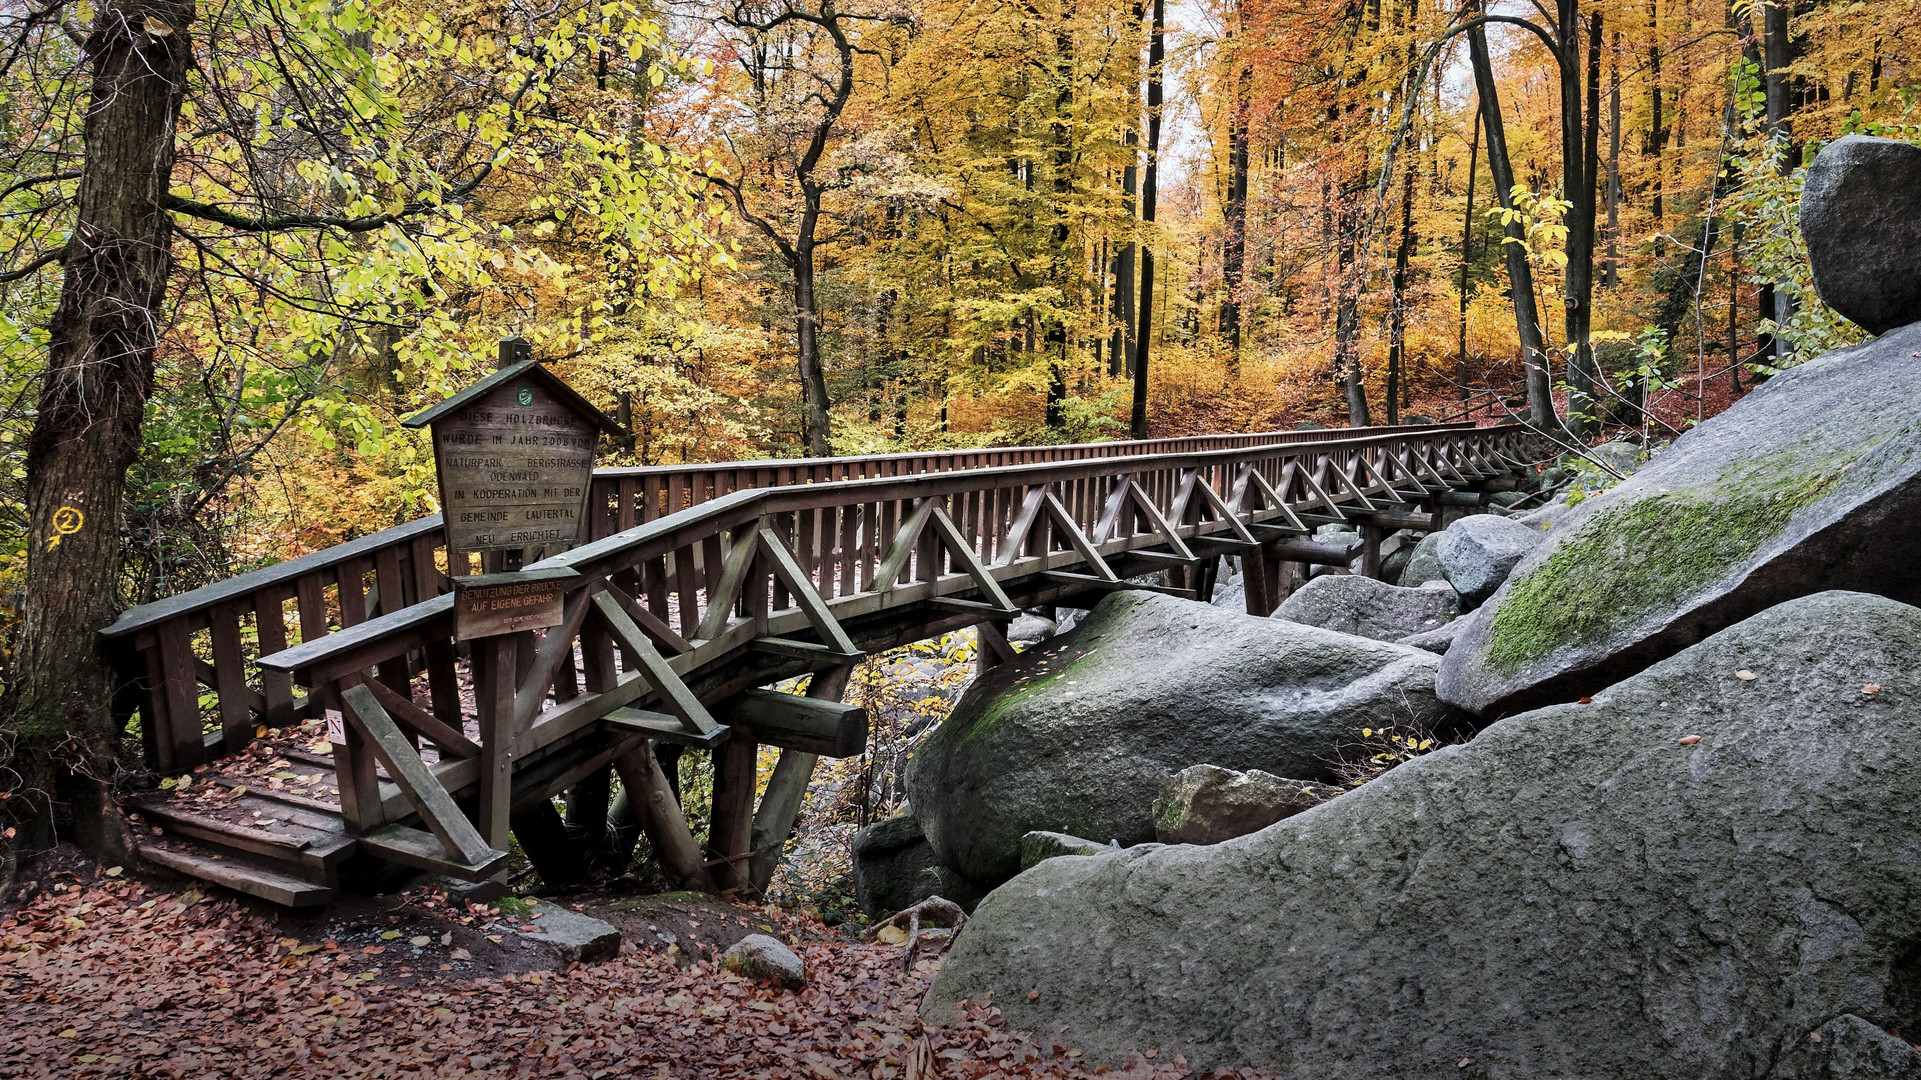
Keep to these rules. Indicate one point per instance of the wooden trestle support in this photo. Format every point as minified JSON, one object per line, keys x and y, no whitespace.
{"x":692,"y":601}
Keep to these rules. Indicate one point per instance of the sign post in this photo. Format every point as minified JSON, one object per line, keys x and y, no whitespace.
{"x":514,"y":454}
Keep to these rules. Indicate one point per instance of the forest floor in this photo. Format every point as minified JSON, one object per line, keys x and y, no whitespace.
{"x":103,"y":976}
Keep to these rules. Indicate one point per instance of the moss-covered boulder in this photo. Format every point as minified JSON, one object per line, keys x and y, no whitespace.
{"x":1811,"y":482}
{"x":1077,"y":735}
{"x":1687,"y":877}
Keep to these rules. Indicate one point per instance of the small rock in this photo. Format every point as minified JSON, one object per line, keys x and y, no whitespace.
{"x":1028,"y":629}
{"x":1371,"y":609}
{"x":1477,"y":553}
{"x":1040,"y":845}
{"x":1206,"y":804}
{"x":570,"y":936}
{"x":758,"y":956}
{"x":1441,"y":638}
{"x":1861,"y":218}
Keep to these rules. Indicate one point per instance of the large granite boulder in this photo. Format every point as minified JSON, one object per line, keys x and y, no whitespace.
{"x":1477,"y":553}
{"x":1811,"y":482}
{"x":1689,"y":876}
{"x":1372,"y":609}
{"x":1077,"y":735}
{"x":1861,"y":218}
{"x":895,"y":868}
{"x":1423,"y":564}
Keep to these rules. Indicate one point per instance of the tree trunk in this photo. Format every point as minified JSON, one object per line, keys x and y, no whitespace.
{"x":86,"y":432}
{"x":1156,"y":56}
{"x":1580,"y":147}
{"x":815,"y":426}
{"x":1611,"y":274}
{"x":1397,"y":303}
{"x":1467,"y":253}
{"x":1657,"y":122}
{"x":1778,"y":55}
{"x":1121,"y":350}
{"x":1057,"y":359}
{"x":1234,"y":242}
{"x":1347,"y":312}
{"x":1520,"y":276}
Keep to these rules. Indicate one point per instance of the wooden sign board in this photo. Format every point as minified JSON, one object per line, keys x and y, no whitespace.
{"x":514,"y":468}
{"x":515,"y":458}
{"x":490,"y":604}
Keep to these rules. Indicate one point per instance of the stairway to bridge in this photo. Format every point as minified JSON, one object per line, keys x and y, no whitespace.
{"x":318,"y":726}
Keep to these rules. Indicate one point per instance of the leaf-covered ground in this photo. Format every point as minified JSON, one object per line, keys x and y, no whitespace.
{"x":106,"y":977}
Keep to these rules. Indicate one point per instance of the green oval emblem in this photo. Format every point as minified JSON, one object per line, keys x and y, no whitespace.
{"x":526,"y":396}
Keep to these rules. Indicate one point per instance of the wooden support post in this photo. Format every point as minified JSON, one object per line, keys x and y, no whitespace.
{"x":1206,"y":575}
{"x":661,"y":818}
{"x":587,"y":809}
{"x":494,"y":663}
{"x":1371,"y":536}
{"x":780,"y":806}
{"x":993,"y":649}
{"x":623,"y":828}
{"x":359,"y":784}
{"x":548,"y":844}
{"x":459,"y":839}
{"x":730,"y":826}
{"x":812,"y":724}
{"x":1258,"y":582}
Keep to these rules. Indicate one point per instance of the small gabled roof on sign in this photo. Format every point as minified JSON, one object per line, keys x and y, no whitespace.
{"x":526,"y":369}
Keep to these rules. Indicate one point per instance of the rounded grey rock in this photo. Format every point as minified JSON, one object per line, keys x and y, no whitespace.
{"x":1374,"y":609}
{"x":1478,"y":552}
{"x":1861,"y":218}
{"x":1077,"y":736}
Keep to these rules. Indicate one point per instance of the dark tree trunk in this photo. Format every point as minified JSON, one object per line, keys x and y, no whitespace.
{"x":1397,"y":303}
{"x":813,"y":380}
{"x":1580,"y":148}
{"x":1234,"y":242}
{"x":1657,"y":121}
{"x":1063,"y":232}
{"x":1611,"y":271}
{"x":1156,"y":56}
{"x":1467,"y":254}
{"x":1347,"y":311}
{"x":1778,"y":302}
{"x":1520,"y":275}
{"x":1121,"y":350}
{"x":86,"y":432}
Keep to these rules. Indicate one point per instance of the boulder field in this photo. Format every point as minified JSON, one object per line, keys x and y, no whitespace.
{"x":1811,"y":482}
{"x":1078,"y":735}
{"x":1696,"y":874}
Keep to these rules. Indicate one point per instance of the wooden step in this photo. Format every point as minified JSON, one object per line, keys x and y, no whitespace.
{"x":268,"y":883}
{"x":301,"y":838}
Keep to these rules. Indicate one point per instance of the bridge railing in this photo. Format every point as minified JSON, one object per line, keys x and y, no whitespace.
{"x":668,"y":619}
{"x":187,"y":661}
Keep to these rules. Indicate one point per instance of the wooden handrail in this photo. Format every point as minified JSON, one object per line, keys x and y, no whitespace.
{"x":654,"y":534}
{"x":607,"y":482}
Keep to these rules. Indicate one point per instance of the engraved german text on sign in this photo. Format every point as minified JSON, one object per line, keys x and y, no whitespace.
{"x":485,"y":610}
{"x":514,"y":469}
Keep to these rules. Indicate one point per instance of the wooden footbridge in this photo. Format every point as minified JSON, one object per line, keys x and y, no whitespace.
{"x":701,"y":587}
